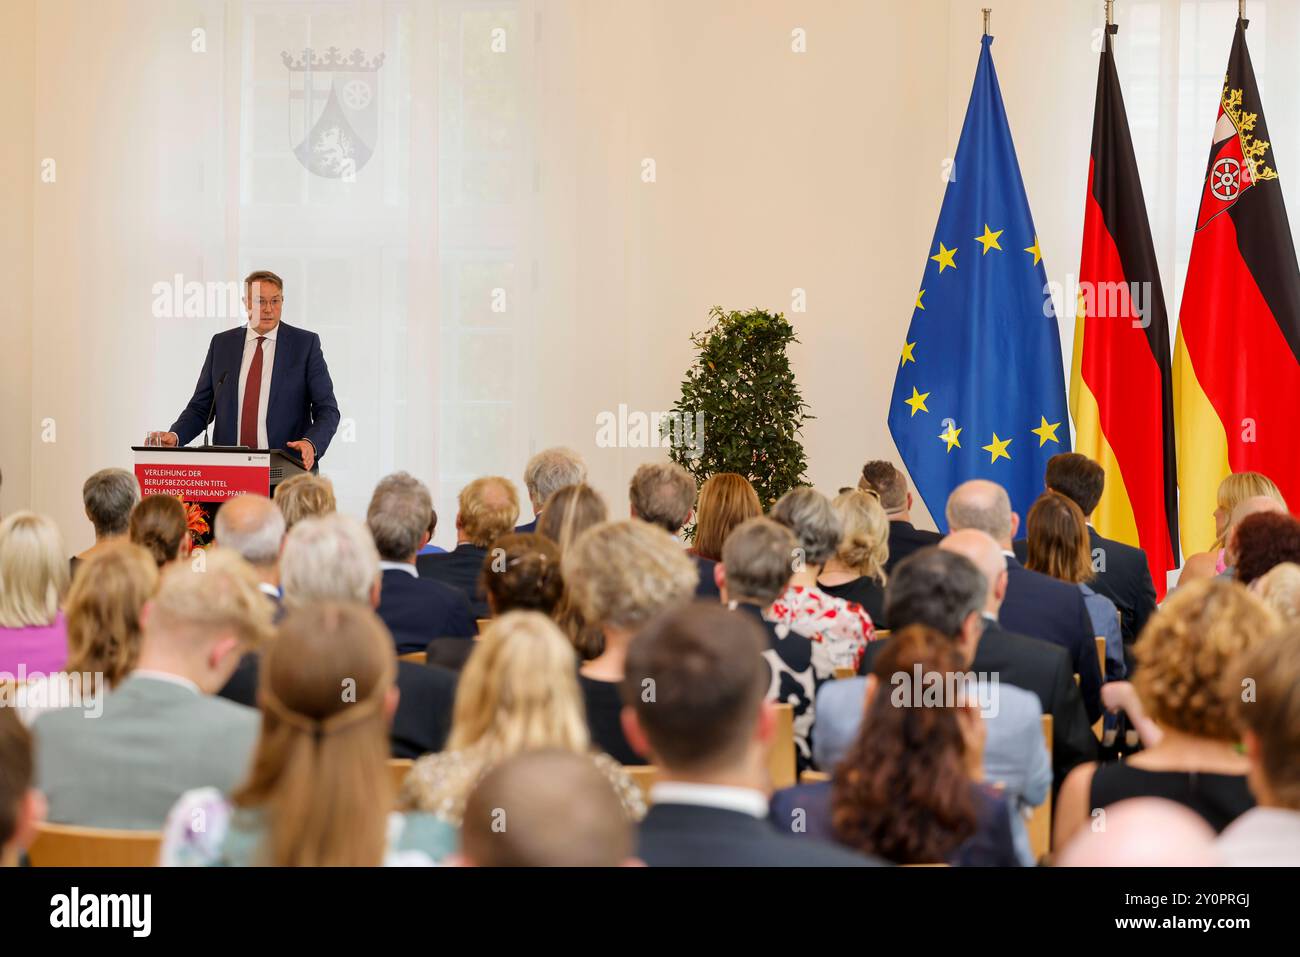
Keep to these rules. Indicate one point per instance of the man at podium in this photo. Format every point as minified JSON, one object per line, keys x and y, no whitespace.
{"x":267,"y":383}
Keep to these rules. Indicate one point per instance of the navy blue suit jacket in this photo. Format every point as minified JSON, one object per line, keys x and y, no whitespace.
{"x":418,"y":610}
{"x":301,"y":404}
{"x":1045,"y":608}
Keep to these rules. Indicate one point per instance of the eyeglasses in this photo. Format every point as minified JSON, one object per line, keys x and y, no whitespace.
{"x":275,"y":303}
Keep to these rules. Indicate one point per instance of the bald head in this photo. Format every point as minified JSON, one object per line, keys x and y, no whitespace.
{"x":982,"y":505}
{"x":545,"y":809}
{"x":986,"y":555}
{"x":1143,"y":832}
{"x":252,"y":526}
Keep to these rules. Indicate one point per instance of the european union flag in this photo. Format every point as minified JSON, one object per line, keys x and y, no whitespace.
{"x":980,"y":392}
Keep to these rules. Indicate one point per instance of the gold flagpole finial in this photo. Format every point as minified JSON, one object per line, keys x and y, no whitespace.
{"x":988,"y":13}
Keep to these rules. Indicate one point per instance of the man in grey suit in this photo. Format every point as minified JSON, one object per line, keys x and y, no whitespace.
{"x":163,"y":731}
{"x":944,"y":589}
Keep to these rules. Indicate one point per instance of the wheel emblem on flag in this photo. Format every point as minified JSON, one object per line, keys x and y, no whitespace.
{"x":1225,"y":179}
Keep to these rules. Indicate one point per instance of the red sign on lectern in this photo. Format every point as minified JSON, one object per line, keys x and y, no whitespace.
{"x":202,"y":475}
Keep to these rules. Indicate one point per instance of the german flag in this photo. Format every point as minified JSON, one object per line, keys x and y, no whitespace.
{"x":1237,"y":358}
{"x":1121,"y":393}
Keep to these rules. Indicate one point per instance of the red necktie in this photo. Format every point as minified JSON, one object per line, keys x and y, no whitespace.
{"x":252,"y":398}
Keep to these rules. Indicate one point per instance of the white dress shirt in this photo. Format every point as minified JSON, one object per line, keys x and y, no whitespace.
{"x":399,"y":567}
{"x":726,"y":798}
{"x":263,"y":398}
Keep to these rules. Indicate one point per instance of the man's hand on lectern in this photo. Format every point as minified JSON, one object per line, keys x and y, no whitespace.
{"x":168,"y":439}
{"x":306,"y":450}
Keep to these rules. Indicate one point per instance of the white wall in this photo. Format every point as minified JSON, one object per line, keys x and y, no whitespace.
{"x":776,"y":170}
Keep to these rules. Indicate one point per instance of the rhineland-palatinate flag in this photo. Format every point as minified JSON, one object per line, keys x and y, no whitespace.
{"x":980,"y":392}
{"x":1121,"y":389}
{"x":1237,"y":355}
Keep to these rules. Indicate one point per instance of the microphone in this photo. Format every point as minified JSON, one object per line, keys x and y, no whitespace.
{"x":212,"y":411}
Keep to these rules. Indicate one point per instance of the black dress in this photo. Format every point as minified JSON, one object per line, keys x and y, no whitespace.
{"x":604,"y":705}
{"x":867,"y":592}
{"x":1219,"y":798}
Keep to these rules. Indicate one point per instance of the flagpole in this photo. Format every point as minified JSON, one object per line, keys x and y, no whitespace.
{"x":988,"y":13}
{"x":1110,"y":12}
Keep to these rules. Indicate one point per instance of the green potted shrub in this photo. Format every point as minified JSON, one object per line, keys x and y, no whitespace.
{"x":742,"y":393}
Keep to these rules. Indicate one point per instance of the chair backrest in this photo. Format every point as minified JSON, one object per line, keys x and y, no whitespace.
{"x":882,"y":634}
{"x":1100,"y":641}
{"x":1039,"y":825}
{"x":398,"y":769}
{"x":482,"y":625}
{"x":63,"y":845}
{"x":781,"y":763}
{"x":643,"y":776}
{"x":813,"y":777}
{"x":415,"y":657}
{"x":844,"y":671}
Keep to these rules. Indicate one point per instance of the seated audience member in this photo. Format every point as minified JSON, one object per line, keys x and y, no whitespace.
{"x":103,"y":615}
{"x":22,"y":807}
{"x":725,"y":500}
{"x":620,"y":575}
{"x":332,"y":558}
{"x":946,"y":592}
{"x":416,"y":610}
{"x":1268,"y":835}
{"x":545,"y":474}
{"x":560,"y":812}
{"x":486,"y":510}
{"x":317,"y":791}
{"x":304,"y":496}
{"x":430,"y":548}
{"x":1057,"y":546}
{"x":522,"y":573}
{"x":856,"y":572}
{"x":1262,"y":541}
{"x":1185,"y":656}
{"x":525,"y":575}
{"x":1233,"y":490}
{"x":839,"y":629}
{"x":1279,"y":588}
{"x":574,"y":509}
{"x":709,"y":730}
{"x":890,"y":485}
{"x":161,"y":526}
{"x":254,"y":527}
{"x":33,"y":582}
{"x":754,"y":572}
{"x":108,"y":496}
{"x":908,"y":746}
{"x":162,"y":731}
{"x":1035,"y":605}
{"x":1022,"y":662}
{"x":663,"y":494}
{"x":1143,"y":832}
{"x":518,"y":692}
{"x":1255,"y":505}
{"x":1124,"y":577}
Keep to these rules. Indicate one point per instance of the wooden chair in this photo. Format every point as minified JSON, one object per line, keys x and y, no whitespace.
{"x":882,"y":634}
{"x":813,"y":777}
{"x":62,"y":845}
{"x":844,"y":671}
{"x":1039,"y":825}
{"x":415,"y":657}
{"x":1101,"y":654}
{"x":781,"y":763}
{"x":398,"y":769}
{"x":643,"y":776}
{"x":482,"y":625}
